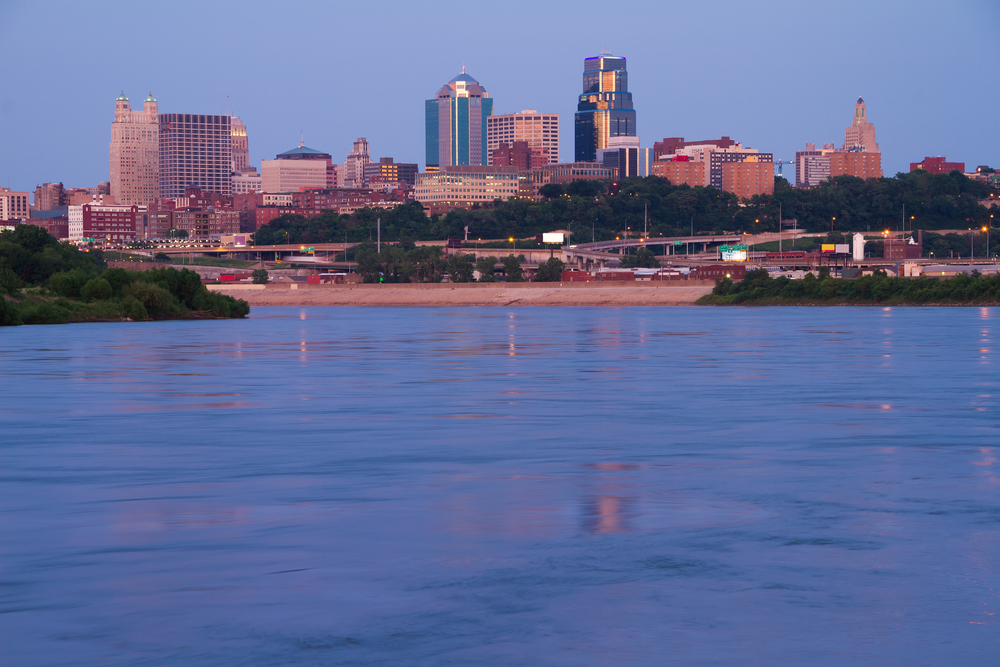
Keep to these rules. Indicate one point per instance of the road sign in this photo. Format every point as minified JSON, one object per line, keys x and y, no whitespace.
{"x":678,"y":242}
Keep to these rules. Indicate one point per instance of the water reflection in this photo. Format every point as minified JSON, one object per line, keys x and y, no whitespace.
{"x":698,"y":484}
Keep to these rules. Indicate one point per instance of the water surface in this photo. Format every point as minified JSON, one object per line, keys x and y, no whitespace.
{"x":571,"y":486}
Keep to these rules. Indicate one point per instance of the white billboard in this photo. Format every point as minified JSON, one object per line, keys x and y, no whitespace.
{"x":553,"y":237}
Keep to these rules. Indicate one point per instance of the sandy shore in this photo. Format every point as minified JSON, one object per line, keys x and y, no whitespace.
{"x":478,"y":295}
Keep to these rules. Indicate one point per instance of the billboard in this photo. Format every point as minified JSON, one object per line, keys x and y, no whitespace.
{"x":552,"y":237}
{"x":836,"y":249}
{"x":733,"y":253}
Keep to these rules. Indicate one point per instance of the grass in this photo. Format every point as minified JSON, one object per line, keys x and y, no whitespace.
{"x":213,"y":261}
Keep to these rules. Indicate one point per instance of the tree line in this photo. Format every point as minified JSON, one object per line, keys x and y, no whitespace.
{"x":633,"y":207}
{"x":43,"y":281}
{"x":758,"y":288}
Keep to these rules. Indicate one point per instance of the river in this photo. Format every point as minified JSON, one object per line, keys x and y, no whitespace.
{"x":497,"y":486}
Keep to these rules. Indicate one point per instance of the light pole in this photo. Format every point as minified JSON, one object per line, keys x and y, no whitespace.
{"x":987,"y":242}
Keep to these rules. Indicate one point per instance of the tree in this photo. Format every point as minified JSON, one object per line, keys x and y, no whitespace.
{"x":486,"y":266}
{"x":96,"y":289}
{"x":460,"y":269}
{"x":161,"y":257}
{"x":512,"y":268}
{"x":551,"y":271}
{"x":551,"y":190}
{"x":259,"y":276}
{"x":643,"y":259}
{"x":177,"y":233}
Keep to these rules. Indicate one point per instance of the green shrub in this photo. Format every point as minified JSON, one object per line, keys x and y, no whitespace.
{"x":9,"y":282}
{"x":137,"y":312}
{"x":154,"y":298}
{"x":96,"y":289}
{"x":9,"y":313}
{"x":44,"y":312}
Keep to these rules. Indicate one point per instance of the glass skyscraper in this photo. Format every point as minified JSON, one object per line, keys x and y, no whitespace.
{"x":456,"y":124}
{"x":605,"y":108}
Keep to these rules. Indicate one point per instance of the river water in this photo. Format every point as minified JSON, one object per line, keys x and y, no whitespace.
{"x":565,"y":486}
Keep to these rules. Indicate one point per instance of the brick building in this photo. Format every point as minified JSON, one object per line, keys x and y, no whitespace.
{"x":680,"y":170}
{"x":937,"y":165}
{"x":748,"y":178}
{"x":110,"y":223}
{"x":856,"y":163}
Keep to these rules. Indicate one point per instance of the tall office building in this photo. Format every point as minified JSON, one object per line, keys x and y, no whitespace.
{"x":604,"y":110}
{"x":860,"y":136}
{"x":456,"y":124}
{"x":14,"y":205}
{"x":196,"y":151}
{"x":134,"y":152}
{"x":241,"y":146}
{"x":354,"y":165}
{"x":540,"y":131}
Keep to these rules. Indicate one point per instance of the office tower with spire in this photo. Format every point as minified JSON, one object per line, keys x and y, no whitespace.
{"x":860,"y":136}
{"x":135,"y":153}
{"x":604,"y":109}
{"x":456,"y":124}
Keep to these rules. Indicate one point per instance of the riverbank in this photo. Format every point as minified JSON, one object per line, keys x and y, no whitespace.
{"x":470,"y":294}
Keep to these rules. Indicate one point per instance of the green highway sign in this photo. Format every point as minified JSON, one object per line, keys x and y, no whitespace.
{"x":678,"y":242}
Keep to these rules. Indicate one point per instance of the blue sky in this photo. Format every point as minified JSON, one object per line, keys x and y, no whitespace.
{"x":773,"y":75}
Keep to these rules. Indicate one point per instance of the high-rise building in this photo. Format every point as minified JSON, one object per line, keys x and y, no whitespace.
{"x":860,"y":136}
{"x":624,"y":155}
{"x":604,"y":110}
{"x":291,"y":176}
{"x":50,"y":196}
{"x":241,"y":145}
{"x":812,"y":166}
{"x":301,"y":167}
{"x":354,"y":165}
{"x":388,"y":171}
{"x":456,"y":122}
{"x":303,"y":152}
{"x":135,"y":152}
{"x":13,"y":205}
{"x":196,"y":151}
{"x":856,"y":163}
{"x":539,"y":131}
{"x":680,"y":170}
{"x":748,"y":177}
{"x":518,"y":154}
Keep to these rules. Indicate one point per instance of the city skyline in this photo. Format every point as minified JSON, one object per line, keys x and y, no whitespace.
{"x":698,"y":88}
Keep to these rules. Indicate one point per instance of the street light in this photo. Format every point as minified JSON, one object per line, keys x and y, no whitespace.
{"x":987,"y":243}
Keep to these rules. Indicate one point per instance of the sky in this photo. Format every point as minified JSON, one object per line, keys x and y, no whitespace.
{"x":772,"y":75}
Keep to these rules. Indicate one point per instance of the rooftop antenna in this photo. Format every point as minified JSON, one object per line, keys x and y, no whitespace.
{"x":302,"y":138}
{"x":463,"y":68}
{"x":229,"y":111}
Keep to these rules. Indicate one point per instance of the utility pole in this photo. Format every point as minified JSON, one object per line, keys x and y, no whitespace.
{"x":779,"y":227}
{"x":378,"y":222}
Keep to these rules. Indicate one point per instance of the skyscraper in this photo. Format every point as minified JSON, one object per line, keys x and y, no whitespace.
{"x":456,"y":124}
{"x":540,"y":131}
{"x":134,"y":153}
{"x":196,"y":151}
{"x":604,"y":110}
{"x":241,"y":145}
{"x":860,"y":136}
{"x":354,"y":165}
